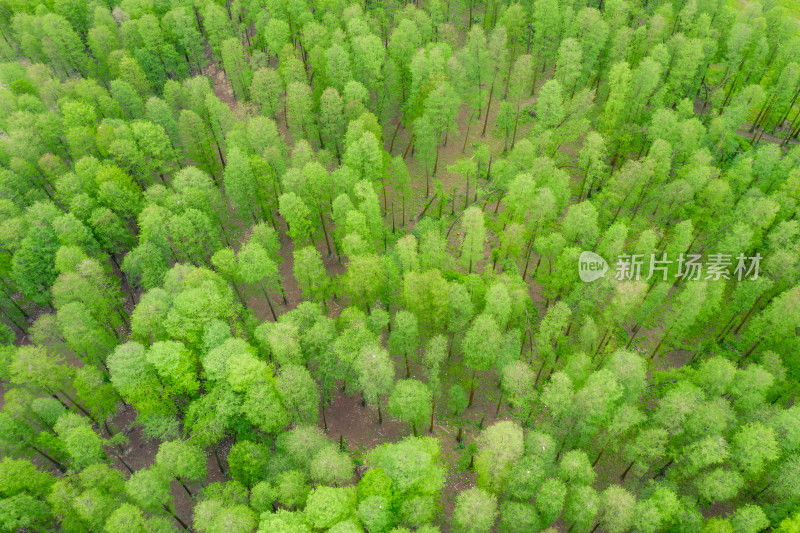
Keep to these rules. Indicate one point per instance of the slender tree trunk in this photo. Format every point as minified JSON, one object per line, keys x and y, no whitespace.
{"x":497,"y":205}
{"x":625,"y":473}
{"x":466,"y":196}
{"x":599,"y":455}
{"x":121,"y":460}
{"x":394,"y":135}
{"x":788,"y":109}
{"x":488,"y":104}
{"x":283,"y":293}
{"x":12,"y":319}
{"x":528,"y":254}
{"x":791,"y":128}
{"x":325,"y":229}
{"x":179,"y":480}
{"x":408,"y":146}
{"x":539,"y":374}
{"x":655,"y":350}
{"x":663,"y":469}
{"x":425,"y":209}
{"x":269,"y":302}
{"x":17,"y":306}
{"x":435,"y":169}
{"x":433,"y":411}
{"x":79,"y":406}
{"x":472,"y":388}
{"x":41,"y":452}
{"x":219,"y":461}
{"x":750,"y":350}
{"x":172,"y":513}
{"x":516,"y":121}
{"x":499,"y":404}
{"x":239,"y":294}
{"x":747,"y":315}
{"x":469,"y":123}
{"x":427,"y":182}
{"x":725,"y":328}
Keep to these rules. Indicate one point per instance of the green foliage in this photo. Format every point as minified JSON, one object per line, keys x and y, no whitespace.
{"x":153,"y":205}
{"x":410,"y":401}
{"x":327,"y":506}
{"x":475,"y":511}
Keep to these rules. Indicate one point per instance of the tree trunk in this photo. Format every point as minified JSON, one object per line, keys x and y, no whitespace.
{"x":499,"y":403}
{"x":499,"y":198}
{"x":539,"y":374}
{"x":425,"y":209}
{"x":269,"y":302}
{"x":239,"y":294}
{"x":433,"y":410}
{"x":283,"y":293}
{"x":663,"y":469}
{"x":625,"y":473}
{"x":750,"y":350}
{"x":655,"y":350}
{"x":488,"y":104}
{"x":528,"y":255}
{"x":435,"y":169}
{"x":747,"y":315}
{"x":408,"y":146}
{"x":325,"y":229}
{"x":469,"y":123}
{"x":172,"y":513}
{"x":472,"y":388}
{"x":121,"y":460}
{"x":179,"y":480}
{"x":599,"y":455}
{"x":219,"y":461}
{"x":394,"y":135}
{"x":466,"y":196}
{"x":41,"y":452}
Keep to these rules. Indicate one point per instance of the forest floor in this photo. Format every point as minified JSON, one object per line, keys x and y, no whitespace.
{"x":347,"y":419}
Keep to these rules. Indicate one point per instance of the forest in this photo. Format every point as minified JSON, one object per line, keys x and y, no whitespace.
{"x":304,"y":266}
